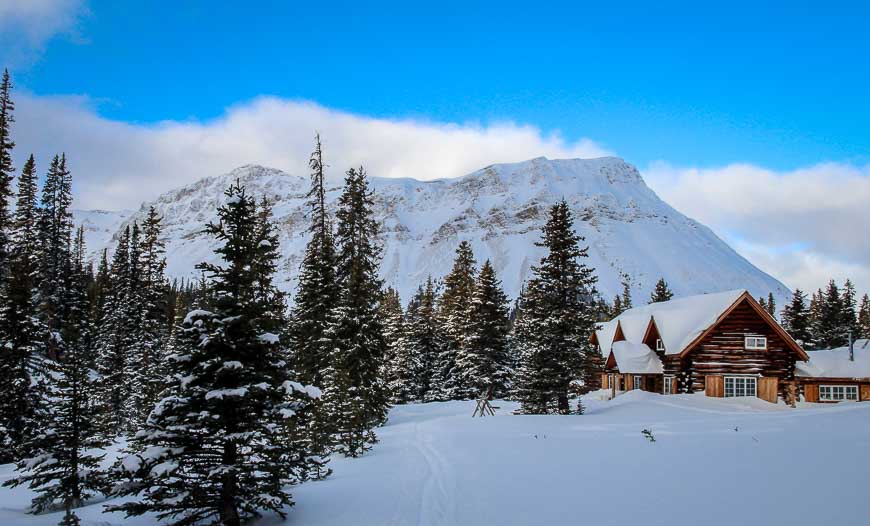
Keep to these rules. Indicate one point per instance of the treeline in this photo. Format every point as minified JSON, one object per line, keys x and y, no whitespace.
{"x":223,"y":398}
{"x":827,"y":318}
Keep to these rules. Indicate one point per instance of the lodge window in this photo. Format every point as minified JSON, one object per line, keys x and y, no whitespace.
{"x":835,"y":393}
{"x":610,"y":381}
{"x":638,"y":382}
{"x":756,"y":342}
{"x":660,"y":346}
{"x":669,"y":385}
{"x":740,"y":386}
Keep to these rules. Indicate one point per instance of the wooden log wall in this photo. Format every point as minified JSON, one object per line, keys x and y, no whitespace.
{"x":722,"y":352}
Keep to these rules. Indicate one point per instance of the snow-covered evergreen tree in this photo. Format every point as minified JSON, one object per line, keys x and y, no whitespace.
{"x":423,"y":345}
{"x":771,"y":305}
{"x":55,"y":235}
{"x":864,"y":317}
{"x":661,"y":292}
{"x":849,"y":309}
{"x":454,"y":324}
{"x":7,"y":169}
{"x":148,"y":314}
{"x":796,"y":319}
{"x":485,"y":361}
{"x":213,"y":450}
{"x":393,"y":322}
{"x":558,"y":318}
{"x":355,"y":394}
{"x":22,"y":332}
{"x":830,"y":331}
{"x":64,"y":466}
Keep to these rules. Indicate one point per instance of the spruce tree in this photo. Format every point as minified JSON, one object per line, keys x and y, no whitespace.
{"x":454,"y":320}
{"x":849,"y":302}
{"x":354,"y":391}
{"x":55,"y":234}
{"x":317,"y":291}
{"x":864,"y":317}
{"x":796,"y":319}
{"x":116,"y":331}
{"x":64,"y":466}
{"x":485,"y":362}
{"x":148,"y":291}
{"x":423,"y":344}
{"x":661,"y":292}
{"x":213,"y":449}
{"x":627,"y":303}
{"x":771,"y":305}
{"x":393,"y":323}
{"x":7,"y":170}
{"x":23,"y":334}
{"x":831,"y":331}
{"x":558,"y":319}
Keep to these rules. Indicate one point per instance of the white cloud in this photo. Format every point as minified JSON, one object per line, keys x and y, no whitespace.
{"x":804,"y":226}
{"x":27,"y":25}
{"x":117,"y":164}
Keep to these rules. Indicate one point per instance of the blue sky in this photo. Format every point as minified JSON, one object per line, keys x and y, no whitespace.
{"x":750,"y":117}
{"x":767,"y":84}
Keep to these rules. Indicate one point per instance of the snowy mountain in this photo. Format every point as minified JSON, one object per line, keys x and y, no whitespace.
{"x":499,"y":209}
{"x":100,"y":227}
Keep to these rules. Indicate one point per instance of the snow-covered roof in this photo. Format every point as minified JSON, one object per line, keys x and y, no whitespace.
{"x":605,"y":334}
{"x":678,"y":321}
{"x":835,"y":363}
{"x":636,"y":358}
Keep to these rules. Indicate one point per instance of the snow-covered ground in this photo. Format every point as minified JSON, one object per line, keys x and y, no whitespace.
{"x":713,"y":462}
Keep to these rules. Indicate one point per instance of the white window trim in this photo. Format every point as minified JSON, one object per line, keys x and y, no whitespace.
{"x":660,"y":345}
{"x":637,"y":382}
{"x":665,"y":385}
{"x":754,"y":345}
{"x":846,"y":388}
{"x":736,"y":376}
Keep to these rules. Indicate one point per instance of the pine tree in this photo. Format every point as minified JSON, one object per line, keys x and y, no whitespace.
{"x":849,"y":302}
{"x":393,"y":322}
{"x":617,"y":308}
{"x":796,"y":319}
{"x":354,"y":391}
{"x":212,"y":450}
{"x":661,"y":292}
{"x":626,"y":293}
{"x":485,"y":362}
{"x":148,"y":291}
{"x":64,"y":469}
{"x":7,"y":170}
{"x":454,"y":319}
{"x":423,"y":344}
{"x":831,"y":333}
{"x":763,"y":303}
{"x":317,"y":292}
{"x":115,"y":337}
{"x":23,"y":335}
{"x":771,"y":305}
{"x":864,"y":317}
{"x":55,"y":234}
{"x":558,"y":319}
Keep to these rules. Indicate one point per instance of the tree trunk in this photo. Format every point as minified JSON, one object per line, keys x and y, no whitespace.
{"x":563,"y":406}
{"x":228,"y":511}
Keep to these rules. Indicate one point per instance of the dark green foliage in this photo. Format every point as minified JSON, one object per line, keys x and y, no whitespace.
{"x":355,"y":394}
{"x":214,"y":448}
{"x":454,"y":324}
{"x":420,"y":348}
{"x":7,"y":170}
{"x":558,"y":317}
{"x":661,"y":292}
{"x":485,"y":362}
{"x":864,"y":317}
{"x":23,"y":334}
{"x":796,"y":319}
{"x":64,"y":469}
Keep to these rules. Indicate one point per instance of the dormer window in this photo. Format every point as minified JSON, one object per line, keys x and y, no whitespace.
{"x":660,"y":345}
{"x":756,"y":343}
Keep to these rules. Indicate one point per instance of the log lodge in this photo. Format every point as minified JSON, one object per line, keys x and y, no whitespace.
{"x":723,"y":344}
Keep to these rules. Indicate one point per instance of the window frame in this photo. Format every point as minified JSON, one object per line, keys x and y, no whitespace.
{"x":637,"y":382}
{"x":735,"y":380}
{"x":668,"y":385}
{"x":660,"y":345}
{"x":844,"y":390}
{"x":754,"y":346}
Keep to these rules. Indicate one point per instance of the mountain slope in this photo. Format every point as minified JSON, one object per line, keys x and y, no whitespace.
{"x":500,"y":210}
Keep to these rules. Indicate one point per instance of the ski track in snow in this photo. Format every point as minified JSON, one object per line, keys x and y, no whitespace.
{"x":437,"y":504}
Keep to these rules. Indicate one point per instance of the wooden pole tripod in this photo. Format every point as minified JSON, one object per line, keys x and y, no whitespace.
{"x":484,"y":408}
